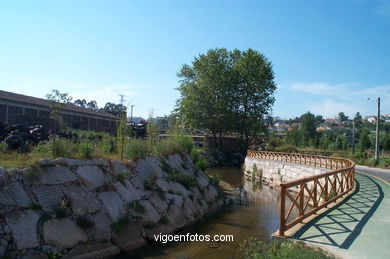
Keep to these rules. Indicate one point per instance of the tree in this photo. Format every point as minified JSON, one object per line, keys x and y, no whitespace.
{"x":318,"y":120}
{"x":358,"y":120}
{"x":80,"y":103}
{"x":56,"y":101}
{"x":115,"y":109}
{"x":308,"y":128}
{"x":342,"y":117}
{"x":364,"y":140}
{"x":226,"y":91}
{"x":92,"y":105}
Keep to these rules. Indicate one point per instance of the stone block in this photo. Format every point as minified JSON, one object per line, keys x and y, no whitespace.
{"x":126,"y":191}
{"x":119,"y":168}
{"x":129,"y":239}
{"x":96,"y":251}
{"x":162,"y":184}
{"x":150,"y":214}
{"x":101,"y":231}
{"x":13,"y":194}
{"x":64,"y":161}
{"x":23,"y":225}
{"x":210,"y":193}
{"x":178,"y":188}
{"x":3,"y":247}
{"x":34,"y":254}
{"x":202,"y":180}
{"x":189,"y":210}
{"x":46,"y":162}
{"x":51,"y":175}
{"x":92,"y":176}
{"x":115,"y":207}
{"x":176,"y":217}
{"x":177,"y":199}
{"x":82,"y":201}
{"x":160,"y":205}
{"x":63,"y":233}
{"x":49,"y":197}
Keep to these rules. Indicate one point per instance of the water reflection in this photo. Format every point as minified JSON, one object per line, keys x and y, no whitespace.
{"x":255,"y":212}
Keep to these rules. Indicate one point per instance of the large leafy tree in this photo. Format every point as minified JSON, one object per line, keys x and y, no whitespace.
{"x":225,"y":91}
{"x":114,"y":109}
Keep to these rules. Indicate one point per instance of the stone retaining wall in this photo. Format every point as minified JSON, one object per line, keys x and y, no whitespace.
{"x":98,"y":208}
{"x":275,"y":172}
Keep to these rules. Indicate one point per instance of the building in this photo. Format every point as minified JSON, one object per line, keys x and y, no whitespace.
{"x":27,"y":110}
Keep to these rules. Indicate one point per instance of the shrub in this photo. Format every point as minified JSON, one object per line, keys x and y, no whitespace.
{"x":84,"y":223}
{"x":184,"y":144}
{"x":194,"y":155}
{"x":202,"y":163}
{"x":120,"y":224}
{"x":137,"y":207}
{"x":287,"y":149}
{"x":166,"y":147}
{"x":3,"y":147}
{"x":254,"y":248}
{"x":85,"y":150}
{"x":136,"y":149}
{"x":59,"y":147}
{"x":186,"y":180}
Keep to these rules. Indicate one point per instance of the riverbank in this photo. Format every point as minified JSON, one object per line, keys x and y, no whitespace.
{"x":67,"y":207}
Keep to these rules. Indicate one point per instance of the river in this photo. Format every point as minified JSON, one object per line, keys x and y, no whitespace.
{"x":255,"y":212}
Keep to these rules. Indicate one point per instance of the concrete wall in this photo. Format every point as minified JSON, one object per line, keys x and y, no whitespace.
{"x":275,"y":172}
{"x":44,"y":209}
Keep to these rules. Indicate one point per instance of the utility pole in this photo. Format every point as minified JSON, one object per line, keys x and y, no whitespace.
{"x":122,"y":100}
{"x":377,"y":129}
{"x":353,"y":136}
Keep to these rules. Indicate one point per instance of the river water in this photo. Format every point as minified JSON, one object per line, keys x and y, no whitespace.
{"x":255,"y":212}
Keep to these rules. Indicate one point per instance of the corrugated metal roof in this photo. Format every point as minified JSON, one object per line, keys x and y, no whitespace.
{"x":42,"y":102}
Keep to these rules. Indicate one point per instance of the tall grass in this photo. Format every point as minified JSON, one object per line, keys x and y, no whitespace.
{"x":136,"y":149}
{"x":253,"y":248}
{"x":60,"y":147}
{"x":85,"y":150}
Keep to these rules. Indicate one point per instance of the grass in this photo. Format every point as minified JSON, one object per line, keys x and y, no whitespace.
{"x":84,"y":222}
{"x":92,"y":144}
{"x":120,"y":224}
{"x":85,"y":150}
{"x":253,"y":248}
{"x":137,"y":207}
{"x":186,"y":180}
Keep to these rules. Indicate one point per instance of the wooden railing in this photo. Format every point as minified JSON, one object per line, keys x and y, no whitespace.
{"x":311,"y":193}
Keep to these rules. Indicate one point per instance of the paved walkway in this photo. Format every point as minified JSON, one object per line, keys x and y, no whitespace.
{"x":383,"y":174}
{"x":359,"y":227}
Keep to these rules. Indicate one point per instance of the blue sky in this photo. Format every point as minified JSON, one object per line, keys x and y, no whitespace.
{"x":328,"y":56}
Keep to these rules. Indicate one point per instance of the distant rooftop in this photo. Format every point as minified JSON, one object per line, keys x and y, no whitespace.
{"x":42,"y":102}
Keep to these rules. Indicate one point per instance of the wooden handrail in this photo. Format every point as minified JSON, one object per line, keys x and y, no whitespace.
{"x":324,"y":188}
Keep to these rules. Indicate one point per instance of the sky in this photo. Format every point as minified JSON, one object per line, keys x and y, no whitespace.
{"x":328,"y":56}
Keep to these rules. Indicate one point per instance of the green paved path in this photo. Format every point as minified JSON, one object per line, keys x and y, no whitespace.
{"x":357,"y":228}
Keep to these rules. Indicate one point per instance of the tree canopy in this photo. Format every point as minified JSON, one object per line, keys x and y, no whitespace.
{"x":227,"y":91}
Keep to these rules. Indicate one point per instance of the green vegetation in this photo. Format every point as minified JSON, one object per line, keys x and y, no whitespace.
{"x":227,"y":91}
{"x":85,"y":222}
{"x":164,"y":220}
{"x":186,"y":180}
{"x":137,"y":207}
{"x":59,"y":147}
{"x":36,"y":206}
{"x":253,"y":248}
{"x":85,"y":150}
{"x":120,"y":224}
{"x":337,"y":141}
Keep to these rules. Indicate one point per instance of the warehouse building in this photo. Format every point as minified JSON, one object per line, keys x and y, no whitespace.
{"x":27,"y":110}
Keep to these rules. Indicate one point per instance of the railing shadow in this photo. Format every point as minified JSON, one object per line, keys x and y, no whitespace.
{"x":343,"y":223}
